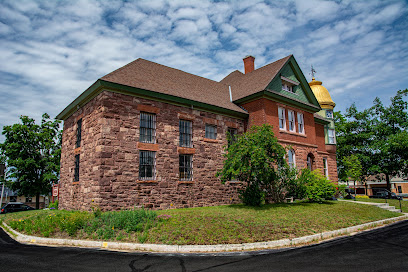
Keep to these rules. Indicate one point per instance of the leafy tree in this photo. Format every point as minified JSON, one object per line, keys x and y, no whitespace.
{"x":354,"y":135}
{"x":33,"y":155}
{"x":377,"y":136}
{"x":353,"y":168}
{"x":390,"y":144}
{"x":257,"y":159}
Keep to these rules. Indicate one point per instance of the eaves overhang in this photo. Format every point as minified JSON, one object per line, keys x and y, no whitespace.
{"x":321,"y":120}
{"x":278,"y":97}
{"x":101,"y":85}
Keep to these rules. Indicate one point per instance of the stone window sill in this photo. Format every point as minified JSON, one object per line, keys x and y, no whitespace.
{"x":185,"y":182}
{"x":211,"y":140}
{"x":293,"y":133}
{"x":147,"y":181}
{"x":75,"y":182}
{"x":185,"y":150}
{"x":147,"y":146}
{"x":77,"y":150}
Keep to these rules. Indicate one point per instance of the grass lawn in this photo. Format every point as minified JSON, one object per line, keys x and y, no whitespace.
{"x":392,"y":202}
{"x":207,"y":225}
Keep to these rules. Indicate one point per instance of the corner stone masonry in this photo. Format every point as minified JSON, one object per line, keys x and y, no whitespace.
{"x":109,"y":157}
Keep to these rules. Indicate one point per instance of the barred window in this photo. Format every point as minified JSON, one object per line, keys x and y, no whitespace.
{"x":232,"y":132}
{"x":147,"y":127}
{"x":186,"y":135}
{"x":210,"y":131}
{"x":79,"y":132}
{"x":186,"y":167}
{"x":147,"y":165}
{"x":76,"y":170}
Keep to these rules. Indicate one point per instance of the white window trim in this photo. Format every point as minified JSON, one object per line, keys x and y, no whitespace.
{"x":301,"y":121}
{"x":291,"y":113}
{"x":280,"y":109}
{"x":292,"y":152}
{"x":333,"y":137}
{"x":325,"y":168}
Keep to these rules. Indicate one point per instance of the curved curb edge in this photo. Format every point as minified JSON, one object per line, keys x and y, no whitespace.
{"x":120,"y":246}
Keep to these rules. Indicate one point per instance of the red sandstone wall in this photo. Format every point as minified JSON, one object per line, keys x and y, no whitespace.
{"x":109,"y":166}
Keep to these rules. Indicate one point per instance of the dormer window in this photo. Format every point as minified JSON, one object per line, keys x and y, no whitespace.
{"x":288,"y":84}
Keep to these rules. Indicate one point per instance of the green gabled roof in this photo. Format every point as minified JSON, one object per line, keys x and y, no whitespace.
{"x":266,"y":82}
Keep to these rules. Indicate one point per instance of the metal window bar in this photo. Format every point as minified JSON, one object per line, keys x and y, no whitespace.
{"x":79,"y":132}
{"x":186,"y":167}
{"x":147,"y":127}
{"x":210,"y":131}
{"x":186,"y":135}
{"x":147,"y":165}
{"x":76,"y":170}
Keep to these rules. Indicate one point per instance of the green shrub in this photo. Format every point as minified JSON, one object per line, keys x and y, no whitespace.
{"x":317,"y":186}
{"x":341,"y":191}
{"x":252,"y":195}
{"x":362,"y":196}
{"x":53,"y":205}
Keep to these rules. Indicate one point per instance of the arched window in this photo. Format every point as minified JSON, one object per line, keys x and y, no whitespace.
{"x":291,"y":158}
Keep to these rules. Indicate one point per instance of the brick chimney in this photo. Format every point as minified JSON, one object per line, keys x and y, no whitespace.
{"x":249,"y":64}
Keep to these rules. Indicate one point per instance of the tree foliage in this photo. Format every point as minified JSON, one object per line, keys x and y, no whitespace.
{"x":32,"y":154}
{"x":257,"y":159}
{"x":376,"y":136}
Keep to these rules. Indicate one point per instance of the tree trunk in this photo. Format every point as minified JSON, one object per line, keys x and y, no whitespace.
{"x":387,"y":178}
{"x":37,"y":201}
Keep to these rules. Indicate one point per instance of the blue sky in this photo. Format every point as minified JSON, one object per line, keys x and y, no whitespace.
{"x":51,"y":51}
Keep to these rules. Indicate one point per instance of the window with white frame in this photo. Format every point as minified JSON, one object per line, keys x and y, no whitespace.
{"x":325,"y":168}
{"x":147,"y":127}
{"x":147,"y":165}
{"x":291,"y":158}
{"x":186,"y":167}
{"x":210,"y":131}
{"x":301,"y":123}
{"x":287,"y":87}
{"x":291,"y":119}
{"x":186,"y":133}
{"x":282,"y":118}
{"x":332,"y":136}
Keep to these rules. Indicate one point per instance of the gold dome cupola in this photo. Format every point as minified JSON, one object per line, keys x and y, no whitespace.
{"x":322,"y":94}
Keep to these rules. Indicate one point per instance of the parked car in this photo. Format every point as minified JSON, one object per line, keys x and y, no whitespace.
{"x":15,"y":207}
{"x":386,"y":194}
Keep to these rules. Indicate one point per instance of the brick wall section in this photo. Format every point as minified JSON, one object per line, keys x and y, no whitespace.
{"x":109,"y":166}
{"x":263,"y":111}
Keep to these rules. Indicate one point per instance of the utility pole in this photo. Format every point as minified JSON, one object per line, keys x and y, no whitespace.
{"x":3,"y":174}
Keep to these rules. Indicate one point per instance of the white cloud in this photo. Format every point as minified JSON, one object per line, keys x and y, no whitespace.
{"x":51,"y":51}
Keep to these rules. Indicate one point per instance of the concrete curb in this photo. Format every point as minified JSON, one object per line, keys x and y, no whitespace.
{"x":27,"y":239}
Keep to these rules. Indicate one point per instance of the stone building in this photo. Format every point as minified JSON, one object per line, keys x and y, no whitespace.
{"x":153,"y":136}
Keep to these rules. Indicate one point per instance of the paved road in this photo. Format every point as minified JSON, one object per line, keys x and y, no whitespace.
{"x":384,"y":249}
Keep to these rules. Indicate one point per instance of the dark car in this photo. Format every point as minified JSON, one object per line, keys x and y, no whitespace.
{"x":386,"y":194}
{"x":15,"y":207}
